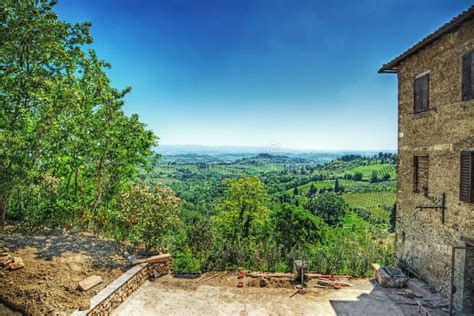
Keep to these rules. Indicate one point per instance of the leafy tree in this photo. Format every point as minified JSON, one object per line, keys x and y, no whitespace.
{"x":295,"y":191}
{"x":294,"y":226}
{"x":329,"y":206}
{"x":38,"y":57}
{"x":243,"y":209}
{"x":336,"y":186}
{"x":200,"y":239}
{"x":145,"y":215}
{"x":60,"y":117}
{"x":312,"y":190}
{"x":284,"y":197}
{"x":357,"y":176}
{"x":374,"y":177}
{"x":393,"y":217}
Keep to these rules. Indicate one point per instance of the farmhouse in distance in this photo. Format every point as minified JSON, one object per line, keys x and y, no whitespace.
{"x":435,"y":198}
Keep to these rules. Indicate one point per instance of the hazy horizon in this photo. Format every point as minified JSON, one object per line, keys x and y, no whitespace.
{"x":299,"y":74}
{"x":272,"y":149}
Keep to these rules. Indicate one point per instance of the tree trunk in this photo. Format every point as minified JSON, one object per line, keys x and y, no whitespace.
{"x":3,"y":206}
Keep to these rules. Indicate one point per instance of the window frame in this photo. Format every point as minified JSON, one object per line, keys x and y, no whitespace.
{"x":416,"y":177}
{"x":419,"y":108}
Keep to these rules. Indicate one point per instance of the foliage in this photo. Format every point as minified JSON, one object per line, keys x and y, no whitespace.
{"x":374,"y":176}
{"x":344,"y":252}
{"x":186,"y":262}
{"x":329,"y":206}
{"x":357,"y":176}
{"x":243,"y":209}
{"x":312,"y":190}
{"x":146,"y":215}
{"x":337,"y":187}
{"x":393,"y":217}
{"x":71,"y":158}
{"x":61,"y":119}
{"x":294,"y":226}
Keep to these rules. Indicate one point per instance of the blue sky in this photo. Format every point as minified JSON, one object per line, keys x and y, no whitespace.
{"x":299,"y":74}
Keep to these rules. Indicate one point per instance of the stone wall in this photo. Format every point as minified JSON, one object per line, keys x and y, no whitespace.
{"x":115,"y":293}
{"x":423,"y":242}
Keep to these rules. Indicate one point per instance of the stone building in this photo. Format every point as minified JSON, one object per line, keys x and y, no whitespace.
{"x":435,"y":199}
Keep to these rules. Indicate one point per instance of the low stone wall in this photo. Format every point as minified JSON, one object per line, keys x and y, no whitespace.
{"x":116,"y":292}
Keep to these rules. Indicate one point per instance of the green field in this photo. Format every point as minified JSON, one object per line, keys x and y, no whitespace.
{"x":326,"y":184}
{"x":166,"y":181}
{"x":367,"y":170}
{"x":373,"y":206}
{"x":370,"y":200}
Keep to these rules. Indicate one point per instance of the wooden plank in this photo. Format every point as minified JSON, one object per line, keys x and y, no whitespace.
{"x":89,"y":282}
{"x":202,"y":276}
{"x":211,"y":277}
{"x":270,"y":275}
{"x":316,"y":275}
{"x":154,"y":259}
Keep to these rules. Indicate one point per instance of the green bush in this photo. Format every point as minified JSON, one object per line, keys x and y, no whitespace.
{"x":185,"y":262}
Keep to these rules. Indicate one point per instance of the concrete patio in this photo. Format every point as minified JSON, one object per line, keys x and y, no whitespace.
{"x":363,"y":298}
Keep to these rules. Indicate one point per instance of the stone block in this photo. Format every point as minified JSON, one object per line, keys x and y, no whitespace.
{"x":89,"y":282}
{"x":391,"y":277}
{"x":16,"y":264}
{"x":5,"y":259}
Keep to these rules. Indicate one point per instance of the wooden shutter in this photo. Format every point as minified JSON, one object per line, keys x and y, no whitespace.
{"x":421,"y":90}
{"x":467,"y":76}
{"x":466,"y":187}
{"x":420,"y":174}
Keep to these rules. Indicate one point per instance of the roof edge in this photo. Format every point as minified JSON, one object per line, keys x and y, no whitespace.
{"x":446,"y":28}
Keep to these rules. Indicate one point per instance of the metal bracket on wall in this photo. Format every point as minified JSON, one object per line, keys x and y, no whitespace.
{"x":439,"y":205}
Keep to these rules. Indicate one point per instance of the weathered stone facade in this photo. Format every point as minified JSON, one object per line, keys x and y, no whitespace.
{"x":423,"y":241}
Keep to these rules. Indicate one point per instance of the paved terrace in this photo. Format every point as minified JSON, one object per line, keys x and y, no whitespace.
{"x":168,"y":296}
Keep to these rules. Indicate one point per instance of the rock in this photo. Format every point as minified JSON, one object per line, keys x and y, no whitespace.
{"x":5,"y":259}
{"x":89,"y":282}
{"x":262,"y":282}
{"x":391,"y":277}
{"x":408,"y":293}
{"x":16,"y":264}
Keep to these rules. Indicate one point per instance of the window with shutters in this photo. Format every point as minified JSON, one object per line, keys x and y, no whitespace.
{"x":420,"y":174}
{"x":421,"y":95}
{"x":468,"y":76}
{"x":466,"y":187}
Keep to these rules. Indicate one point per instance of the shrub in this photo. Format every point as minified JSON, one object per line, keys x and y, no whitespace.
{"x":329,"y":206}
{"x":145,"y":215}
{"x":357,"y":176}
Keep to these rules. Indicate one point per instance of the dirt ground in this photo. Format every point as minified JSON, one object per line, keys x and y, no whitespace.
{"x":55,"y":262}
